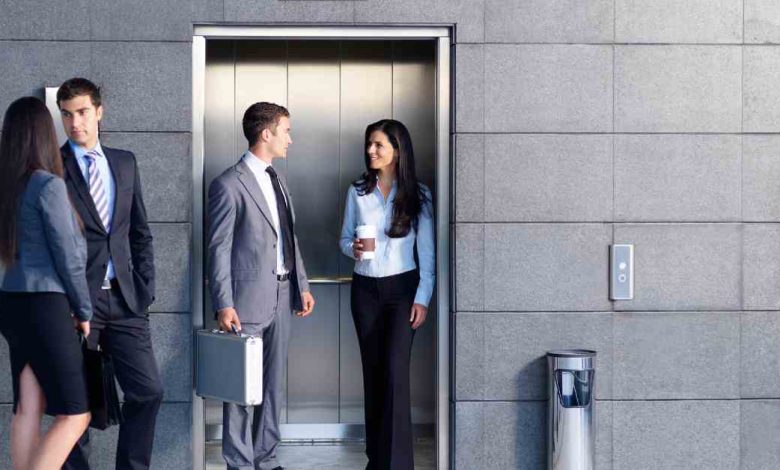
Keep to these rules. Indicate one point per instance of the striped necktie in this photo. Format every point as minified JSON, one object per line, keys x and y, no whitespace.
{"x":96,"y":189}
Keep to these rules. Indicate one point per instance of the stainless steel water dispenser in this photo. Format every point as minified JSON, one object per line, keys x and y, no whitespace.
{"x":572,"y":433}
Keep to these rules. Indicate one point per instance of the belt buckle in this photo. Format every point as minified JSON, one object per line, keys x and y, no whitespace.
{"x":282,"y":277}
{"x":106,"y":285}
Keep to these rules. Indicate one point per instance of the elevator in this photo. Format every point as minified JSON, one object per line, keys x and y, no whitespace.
{"x":333,"y":89}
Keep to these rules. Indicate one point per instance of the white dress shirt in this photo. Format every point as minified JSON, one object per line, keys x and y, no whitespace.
{"x":264,"y":181}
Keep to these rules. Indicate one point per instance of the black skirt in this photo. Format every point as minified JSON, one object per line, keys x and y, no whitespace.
{"x":39,"y":332}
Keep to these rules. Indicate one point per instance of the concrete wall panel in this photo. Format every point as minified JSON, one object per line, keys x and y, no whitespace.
{"x":670,"y":21}
{"x":470,"y":88}
{"x":684,"y":267}
{"x":172,"y":342}
{"x":761,"y":267}
{"x":675,"y":355}
{"x":146,"y":86}
{"x":515,"y":363}
{"x":470,"y":178}
{"x":165,"y":164}
{"x":469,"y":267}
{"x":170,"y":20}
{"x":28,"y":67}
{"x":543,"y":267}
{"x":761,"y":95}
{"x":677,"y":178}
{"x":467,"y":15}
{"x":305,"y":11}
{"x":172,"y":245}
{"x":568,"y":21}
{"x":760,"y":355}
{"x":762,"y":21}
{"x":556,"y":88}
{"x":44,"y":19}
{"x":760,"y":439}
{"x":676,"y":434}
{"x":678,"y":88}
{"x":548,"y":178}
{"x":469,"y":356}
{"x":760,"y":173}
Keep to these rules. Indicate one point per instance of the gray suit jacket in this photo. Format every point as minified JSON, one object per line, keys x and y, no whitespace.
{"x":242,"y":248}
{"x":51,"y":251}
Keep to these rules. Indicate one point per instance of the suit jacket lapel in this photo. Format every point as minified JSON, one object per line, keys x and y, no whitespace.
{"x":247,"y":179}
{"x":74,"y":172}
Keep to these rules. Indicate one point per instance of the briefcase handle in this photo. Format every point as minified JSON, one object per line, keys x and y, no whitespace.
{"x":235,"y":331}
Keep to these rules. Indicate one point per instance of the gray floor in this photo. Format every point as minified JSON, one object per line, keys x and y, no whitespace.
{"x":316,"y":455}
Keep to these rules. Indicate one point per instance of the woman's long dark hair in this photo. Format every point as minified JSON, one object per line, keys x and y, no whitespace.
{"x":28,"y":143}
{"x":409,"y":197}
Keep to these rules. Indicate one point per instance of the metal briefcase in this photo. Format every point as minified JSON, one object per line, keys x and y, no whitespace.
{"x":229,"y":367}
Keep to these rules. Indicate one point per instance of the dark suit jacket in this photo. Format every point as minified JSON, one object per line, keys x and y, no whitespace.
{"x":130,"y":242}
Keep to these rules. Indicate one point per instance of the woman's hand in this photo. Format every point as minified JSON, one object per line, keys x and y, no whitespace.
{"x":357,"y":249}
{"x":82,"y":326}
{"x":419,"y":312}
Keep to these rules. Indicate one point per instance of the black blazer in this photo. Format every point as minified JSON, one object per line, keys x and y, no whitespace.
{"x":130,"y":242}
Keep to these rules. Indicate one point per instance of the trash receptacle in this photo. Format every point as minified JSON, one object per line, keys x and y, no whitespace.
{"x":571,"y":435}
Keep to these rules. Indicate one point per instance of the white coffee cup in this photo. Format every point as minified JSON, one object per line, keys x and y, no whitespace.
{"x":367,"y":236}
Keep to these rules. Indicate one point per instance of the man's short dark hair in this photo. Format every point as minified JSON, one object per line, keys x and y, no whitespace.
{"x":261,"y":116}
{"x":79,"y":87}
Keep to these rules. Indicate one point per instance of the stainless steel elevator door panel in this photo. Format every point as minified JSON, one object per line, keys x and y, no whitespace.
{"x":313,"y":361}
{"x":414,"y":104}
{"x":350,"y":368}
{"x":219,"y":147}
{"x":313,"y":157}
{"x":414,"y":101}
{"x":261,"y":75}
{"x":366,"y":97}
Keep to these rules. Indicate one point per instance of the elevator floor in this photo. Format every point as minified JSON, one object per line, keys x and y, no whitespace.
{"x":341,"y":456}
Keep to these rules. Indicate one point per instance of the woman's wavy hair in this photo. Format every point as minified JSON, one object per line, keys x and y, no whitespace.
{"x":28,"y":143}
{"x":410,"y":198}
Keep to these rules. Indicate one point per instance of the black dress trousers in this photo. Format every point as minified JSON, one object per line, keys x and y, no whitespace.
{"x":126,"y":337}
{"x":381,"y":308}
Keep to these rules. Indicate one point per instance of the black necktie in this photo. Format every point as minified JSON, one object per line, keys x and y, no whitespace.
{"x":285,"y":222}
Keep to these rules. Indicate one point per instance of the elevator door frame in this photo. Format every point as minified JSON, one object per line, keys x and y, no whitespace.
{"x":443,"y":36}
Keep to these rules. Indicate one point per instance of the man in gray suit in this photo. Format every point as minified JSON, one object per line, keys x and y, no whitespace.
{"x":256,"y":274}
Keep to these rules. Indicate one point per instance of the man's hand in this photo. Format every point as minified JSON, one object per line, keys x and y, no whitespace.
{"x":308,"y":304}
{"x":226,"y":317}
{"x":419,"y":312}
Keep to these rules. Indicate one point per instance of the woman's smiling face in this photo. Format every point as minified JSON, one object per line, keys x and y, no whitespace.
{"x":381,"y":153}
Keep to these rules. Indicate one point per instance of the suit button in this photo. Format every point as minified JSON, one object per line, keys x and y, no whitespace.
{"x":105,"y":265}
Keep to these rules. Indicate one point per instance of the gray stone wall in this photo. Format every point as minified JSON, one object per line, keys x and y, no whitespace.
{"x":586,"y":123}
{"x":579,"y":123}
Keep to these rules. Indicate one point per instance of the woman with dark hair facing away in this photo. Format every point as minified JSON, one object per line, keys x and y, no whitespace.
{"x":387,"y":214}
{"x":43,"y":254}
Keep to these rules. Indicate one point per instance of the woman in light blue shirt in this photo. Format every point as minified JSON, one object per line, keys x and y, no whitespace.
{"x":390,"y":293}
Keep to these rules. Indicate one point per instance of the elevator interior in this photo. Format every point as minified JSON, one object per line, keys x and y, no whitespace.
{"x":333,"y":89}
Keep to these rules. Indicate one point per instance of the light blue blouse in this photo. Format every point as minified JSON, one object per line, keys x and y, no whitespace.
{"x":393,"y":255}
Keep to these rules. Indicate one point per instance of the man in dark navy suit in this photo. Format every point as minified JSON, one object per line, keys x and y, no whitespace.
{"x":105,"y":188}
